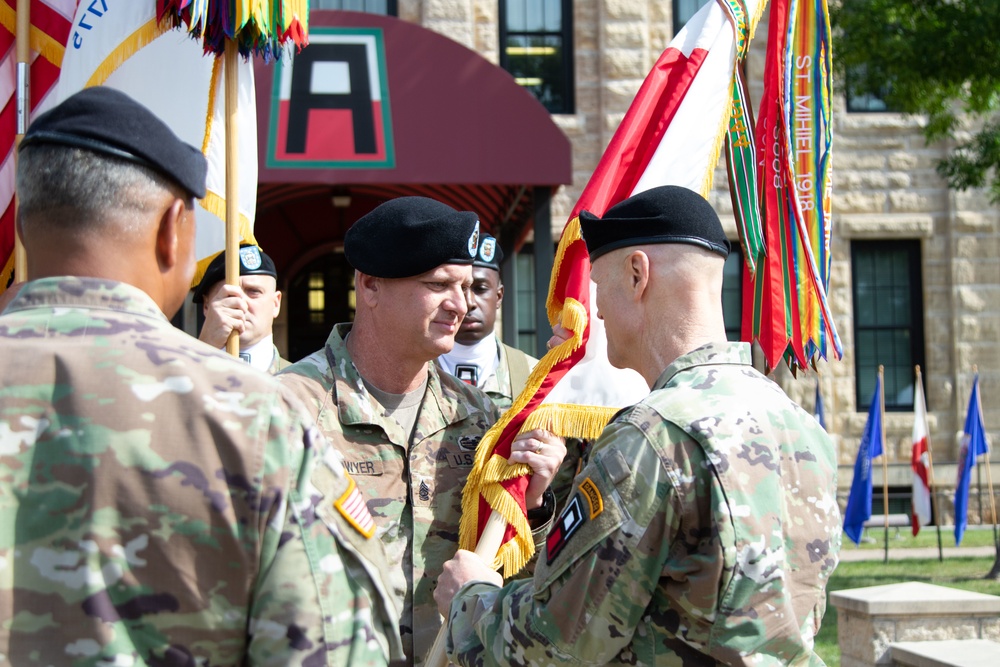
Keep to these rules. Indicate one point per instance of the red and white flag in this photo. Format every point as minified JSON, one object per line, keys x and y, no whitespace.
{"x":51,"y":21}
{"x":671,"y":134}
{"x":920,"y":462}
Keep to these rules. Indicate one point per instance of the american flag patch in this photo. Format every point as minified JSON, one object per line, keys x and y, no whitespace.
{"x":352,"y":506}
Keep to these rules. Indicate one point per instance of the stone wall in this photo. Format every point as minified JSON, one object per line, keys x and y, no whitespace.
{"x":885,"y":187}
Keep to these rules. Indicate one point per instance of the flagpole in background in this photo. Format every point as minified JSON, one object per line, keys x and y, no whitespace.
{"x":21,"y":37}
{"x":232,"y":183}
{"x":930,"y":467}
{"x":260,"y":28}
{"x":994,"y":572}
{"x":885,"y":462}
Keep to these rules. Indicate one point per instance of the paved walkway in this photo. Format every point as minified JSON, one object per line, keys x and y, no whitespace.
{"x":849,"y":553}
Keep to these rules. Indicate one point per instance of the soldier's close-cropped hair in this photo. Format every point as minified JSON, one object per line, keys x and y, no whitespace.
{"x":65,"y":187}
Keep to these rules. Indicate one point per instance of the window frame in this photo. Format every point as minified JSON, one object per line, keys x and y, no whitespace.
{"x":391,"y":8}
{"x":916,"y":328}
{"x":567,"y":69}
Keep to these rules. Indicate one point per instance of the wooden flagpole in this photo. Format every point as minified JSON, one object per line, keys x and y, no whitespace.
{"x":487,"y":549}
{"x":930,"y":471}
{"x":885,"y":462}
{"x":232,"y":183}
{"x":22,"y":36}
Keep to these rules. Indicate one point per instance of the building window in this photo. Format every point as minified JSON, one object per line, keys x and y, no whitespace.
{"x":732,"y":294}
{"x":888,"y":319}
{"x":527,"y":328}
{"x":684,"y":10}
{"x":387,"y":7}
{"x":536,"y":47}
{"x":320,"y":295}
{"x":860,"y":97}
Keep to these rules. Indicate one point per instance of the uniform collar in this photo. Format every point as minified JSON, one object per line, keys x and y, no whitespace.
{"x":441,"y":406}
{"x":711,"y":354}
{"x":95,"y":293}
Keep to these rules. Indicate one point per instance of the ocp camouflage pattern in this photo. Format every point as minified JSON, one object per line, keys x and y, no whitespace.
{"x":162,"y":503}
{"x":702,"y":530}
{"x":413,"y":487}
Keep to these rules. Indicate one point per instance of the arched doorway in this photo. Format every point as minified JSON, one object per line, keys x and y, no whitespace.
{"x":319,"y":295}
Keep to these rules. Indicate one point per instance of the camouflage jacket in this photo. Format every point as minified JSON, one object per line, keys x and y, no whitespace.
{"x":702,"y":530}
{"x":164,"y":503}
{"x":413,"y":489}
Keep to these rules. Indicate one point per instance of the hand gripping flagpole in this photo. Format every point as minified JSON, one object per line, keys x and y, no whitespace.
{"x":487,"y":549}
{"x":230,"y":32}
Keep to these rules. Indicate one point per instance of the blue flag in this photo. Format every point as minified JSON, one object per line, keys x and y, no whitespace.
{"x":859,"y":502}
{"x":973,"y":445}
{"x":818,"y":410}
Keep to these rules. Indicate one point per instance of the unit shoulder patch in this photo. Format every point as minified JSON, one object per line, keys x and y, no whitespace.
{"x":593,"y":496}
{"x":566,"y":526}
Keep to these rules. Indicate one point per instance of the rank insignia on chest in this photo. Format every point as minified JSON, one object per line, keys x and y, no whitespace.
{"x":352,"y":506}
{"x":567,"y":525}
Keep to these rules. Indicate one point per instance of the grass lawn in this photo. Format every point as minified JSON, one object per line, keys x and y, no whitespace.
{"x":957,"y":572}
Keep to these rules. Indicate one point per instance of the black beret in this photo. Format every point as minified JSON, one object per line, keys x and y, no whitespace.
{"x":108,"y":121}
{"x":490,"y":255}
{"x":253,"y":262}
{"x":408,"y":236}
{"x":666,"y":214}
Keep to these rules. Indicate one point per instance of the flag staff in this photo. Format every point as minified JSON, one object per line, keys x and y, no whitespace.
{"x":930,"y":474}
{"x":885,"y":463}
{"x":232,"y":184}
{"x":994,"y":572}
{"x":22,"y":36}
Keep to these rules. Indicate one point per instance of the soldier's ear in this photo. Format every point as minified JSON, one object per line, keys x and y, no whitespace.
{"x":169,"y":233}
{"x":637,"y":273}
{"x":368,"y":288}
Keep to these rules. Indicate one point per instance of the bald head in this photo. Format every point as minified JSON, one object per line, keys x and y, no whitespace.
{"x":658,"y":302}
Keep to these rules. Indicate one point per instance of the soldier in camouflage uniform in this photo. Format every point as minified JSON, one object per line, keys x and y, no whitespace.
{"x":408,"y":431}
{"x":479,"y":357}
{"x":704,"y":526}
{"x":161,"y":502}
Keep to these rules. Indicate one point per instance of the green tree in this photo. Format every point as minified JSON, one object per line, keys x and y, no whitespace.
{"x":932,"y":57}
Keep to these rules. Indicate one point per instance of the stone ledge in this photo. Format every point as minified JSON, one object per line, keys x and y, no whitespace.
{"x":882,"y":226}
{"x":915,"y":599}
{"x":947,"y":653}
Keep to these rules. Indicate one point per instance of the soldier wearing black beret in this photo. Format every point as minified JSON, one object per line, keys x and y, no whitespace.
{"x":657,"y":557}
{"x":160,"y":483}
{"x":250,"y":307}
{"x":408,"y":430}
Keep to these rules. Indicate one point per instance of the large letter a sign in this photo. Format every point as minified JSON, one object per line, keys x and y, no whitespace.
{"x":330,"y":105}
